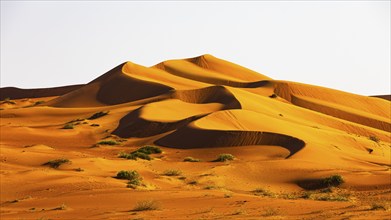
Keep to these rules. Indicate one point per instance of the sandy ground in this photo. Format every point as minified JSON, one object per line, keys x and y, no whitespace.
{"x":286,"y":138}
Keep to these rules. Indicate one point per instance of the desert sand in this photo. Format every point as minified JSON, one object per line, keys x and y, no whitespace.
{"x":286,"y":139}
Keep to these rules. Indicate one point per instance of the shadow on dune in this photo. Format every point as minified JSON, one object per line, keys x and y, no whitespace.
{"x":132,"y":125}
{"x":187,"y":138}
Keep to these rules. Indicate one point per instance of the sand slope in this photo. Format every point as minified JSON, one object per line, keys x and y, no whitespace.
{"x":282,"y":134}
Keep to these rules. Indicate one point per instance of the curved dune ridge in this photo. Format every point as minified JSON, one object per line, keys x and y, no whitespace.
{"x":220,"y":103}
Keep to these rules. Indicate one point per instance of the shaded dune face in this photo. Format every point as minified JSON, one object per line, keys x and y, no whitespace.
{"x":190,"y":137}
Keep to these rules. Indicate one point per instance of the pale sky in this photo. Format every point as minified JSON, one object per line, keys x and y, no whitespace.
{"x":343,"y":45}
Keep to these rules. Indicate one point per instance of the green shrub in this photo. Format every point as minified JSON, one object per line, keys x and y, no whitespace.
{"x":149,"y":150}
{"x":142,"y":153}
{"x":108,"y":142}
{"x":172,"y":172}
{"x":146,"y":205}
{"x":132,"y":175}
{"x":57,"y":163}
{"x":334,"y":180}
{"x":98,"y":115}
{"x":68,"y":126}
{"x":191,"y":159}
{"x":224,"y":157}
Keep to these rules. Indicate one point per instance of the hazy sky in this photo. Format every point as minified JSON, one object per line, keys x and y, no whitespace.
{"x":338,"y":44}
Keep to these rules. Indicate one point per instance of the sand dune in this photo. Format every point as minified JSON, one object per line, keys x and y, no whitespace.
{"x":285,"y":137}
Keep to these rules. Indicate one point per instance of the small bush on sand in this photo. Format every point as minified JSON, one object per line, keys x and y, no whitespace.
{"x":273,"y":96}
{"x":132,"y":175}
{"x":374,"y":138}
{"x":191,"y":159}
{"x":68,"y":126}
{"x":263,"y":192}
{"x":142,"y":153}
{"x":224,"y":157}
{"x":146,"y":205}
{"x":98,"y":115}
{"x":270,"y":212}
{"x":378,"y":206}
{"x":108,"y":142}
{"x":334,"y":180}
{"x":57,"y":163}
{"x":172,"y":173}
{"x":149,"y":150}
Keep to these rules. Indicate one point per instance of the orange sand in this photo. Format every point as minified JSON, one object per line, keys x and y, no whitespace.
{"x":281,"y":134}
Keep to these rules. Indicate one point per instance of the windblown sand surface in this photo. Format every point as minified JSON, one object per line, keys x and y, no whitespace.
{"x":286,"y":137}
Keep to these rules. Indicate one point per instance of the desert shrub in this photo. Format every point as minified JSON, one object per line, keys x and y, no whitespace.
{"x":273,"y":96}
{"x":172,"y":172}
{"x":57,"y":163}
{"x":108,"y":142}
{"x":210,"y":187}
{"x":191,"y":159}
{"x":224,"y":157}
{"x":378,"y":206}
{"x":38,"y":103}
{"x":98,"y":115}
{"x":142,"y":153}
{"x":149,"y":150}
{"x":8,"y":101}
{"x":94,"y":125}
{"x":61,"y":207}
{"x":193,"y":182}
{"x":334,"y":180}
{"x":330,"y":197}
{"x":271,"y":212}
{"x":374,"y":138}
{"x":68,"y":126}
{"x":132,"y":175}
{"x":263,"y":192}
{"x":146,"y":205}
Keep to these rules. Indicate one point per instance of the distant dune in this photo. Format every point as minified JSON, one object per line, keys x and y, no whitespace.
{"x":282,"y":134}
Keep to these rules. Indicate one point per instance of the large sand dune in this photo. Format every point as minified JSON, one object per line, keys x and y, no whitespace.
{"x":285,"y":136}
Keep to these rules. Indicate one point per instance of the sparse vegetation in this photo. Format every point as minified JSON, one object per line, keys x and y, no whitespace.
{"x":108,"y":142}
{"x":270,"y":212}
{"x":210,"y":187}
{"x":142,"y":153}
{"x":374,"y":138}
{"x":61,"y":207}
{"x":193,"y":182}
{"x":57,"y":163}
{"x":263,"y":192}
{"x":79,"y":169}
{"x":224,"y":157}
{"x":334,"y":180}
{"x":146,"y":205}
{"x":68,"y":126}
{"x":8,"y":101}
{"x":149,"y":150}
{"x":172,"y":172}
{"x":38,"y":103}
{"x":94,"y":125}
{"x":379,"y":206}
{"x":132,"y":176}
{"x":191,"y":159}
{"x":98,"y":115}
{"x":273,"y":95}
